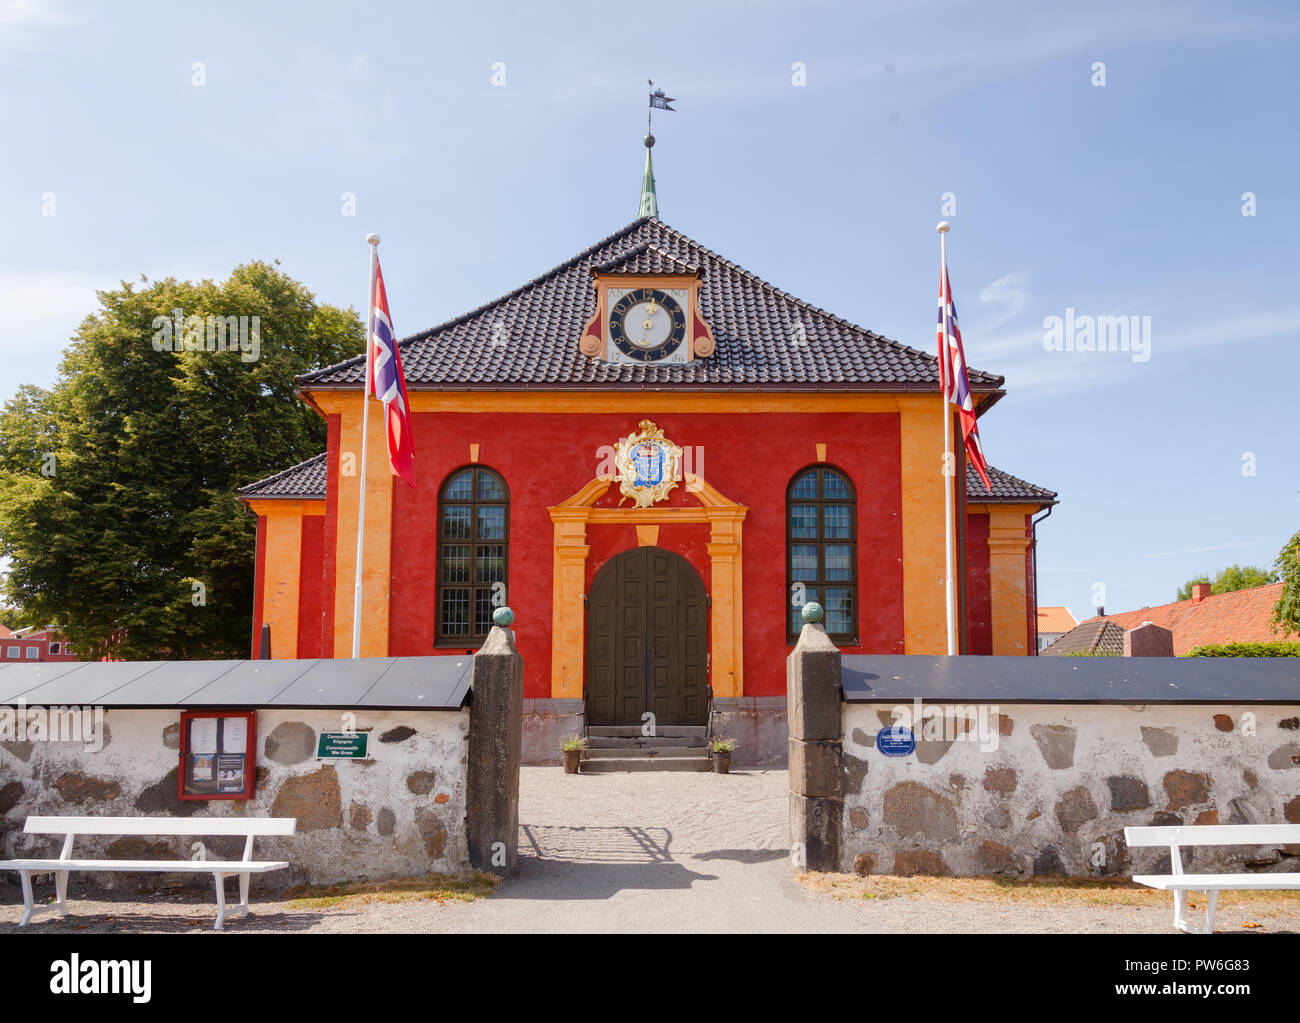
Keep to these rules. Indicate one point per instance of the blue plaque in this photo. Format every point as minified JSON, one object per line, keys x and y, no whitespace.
{"x":896,"y":742}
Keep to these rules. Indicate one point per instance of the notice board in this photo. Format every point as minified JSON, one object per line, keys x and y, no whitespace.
{"x":218,"y":754}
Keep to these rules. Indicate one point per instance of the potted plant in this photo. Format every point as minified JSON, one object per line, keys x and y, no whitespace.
{"x":720,"y":749}
{"x":572,"y":748}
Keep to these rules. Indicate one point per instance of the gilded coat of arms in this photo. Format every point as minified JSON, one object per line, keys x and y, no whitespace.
{"x":648,"y":465}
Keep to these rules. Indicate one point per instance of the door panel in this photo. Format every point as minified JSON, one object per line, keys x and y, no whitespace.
{"x":647,"y":641}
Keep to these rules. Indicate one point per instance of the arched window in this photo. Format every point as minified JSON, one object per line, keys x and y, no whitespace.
{"x":473,"y":543}
{"x":822,"y":551}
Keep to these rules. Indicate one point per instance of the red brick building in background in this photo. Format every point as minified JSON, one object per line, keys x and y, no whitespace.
{"x":33,"y":644}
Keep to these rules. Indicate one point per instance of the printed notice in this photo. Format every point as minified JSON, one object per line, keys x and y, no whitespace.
{"x":203,"y":735}
{"x":234,"y":735}
{"x":201,"y":765}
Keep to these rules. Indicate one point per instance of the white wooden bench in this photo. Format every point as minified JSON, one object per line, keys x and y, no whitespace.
{"x":1181,"y":883}
{"x":71,"y":827}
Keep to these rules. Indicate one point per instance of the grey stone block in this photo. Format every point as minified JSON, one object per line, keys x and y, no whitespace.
{"x":1056,"y":743}
{"x":813,"y":686}
{"x":1162,"y":742}
{"x":817,"y":768}
{"x":495,"y":745}
{"x":816,"y":829}
{"x":855,"y":773}
{"x":1128,"y":792}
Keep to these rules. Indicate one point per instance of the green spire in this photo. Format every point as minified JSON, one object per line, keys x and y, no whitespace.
{"x":649,"y":201}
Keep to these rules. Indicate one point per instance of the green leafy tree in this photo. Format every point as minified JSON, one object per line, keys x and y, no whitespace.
{"x":1234,"y":577}
{"x":1286,"y":612}
{"x":117,"y":485}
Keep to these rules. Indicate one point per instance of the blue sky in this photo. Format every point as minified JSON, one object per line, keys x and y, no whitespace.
{"x":1115,"y":200}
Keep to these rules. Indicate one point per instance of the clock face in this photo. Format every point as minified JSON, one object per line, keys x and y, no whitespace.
{"x":647,"y":325}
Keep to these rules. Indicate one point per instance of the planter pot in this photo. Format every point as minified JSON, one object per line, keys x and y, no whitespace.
{"x":572,"y":757}
{"x":722,"y":763}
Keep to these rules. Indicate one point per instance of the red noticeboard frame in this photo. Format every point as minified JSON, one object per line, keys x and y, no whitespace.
{"x":184,"y":771}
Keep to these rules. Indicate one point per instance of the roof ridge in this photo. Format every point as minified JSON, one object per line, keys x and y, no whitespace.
{"x":794,"y":299}
{"x":1025,"y":482}
{"x":640,"y":248}
{"x":282,"y":473}
{"x":479,"y":310}
{"x":662,"y":234}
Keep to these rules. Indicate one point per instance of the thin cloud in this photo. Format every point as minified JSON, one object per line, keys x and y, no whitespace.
{"x":1203,"y":550}
{"x":1036,"y":373}
{"x":1011,"y":293}
{"x":23,"y":21}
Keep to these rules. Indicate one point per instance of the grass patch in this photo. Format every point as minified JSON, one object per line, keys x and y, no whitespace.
{"x":1031,"y":891}
{"x":438,"y":888}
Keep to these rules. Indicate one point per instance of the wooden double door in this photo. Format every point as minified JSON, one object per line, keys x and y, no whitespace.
{"x":647,"y":641}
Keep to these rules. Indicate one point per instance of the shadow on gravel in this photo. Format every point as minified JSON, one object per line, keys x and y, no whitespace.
{"x":556,"y":880}
{"x":557,"y":862}
{"x":743,"y":855}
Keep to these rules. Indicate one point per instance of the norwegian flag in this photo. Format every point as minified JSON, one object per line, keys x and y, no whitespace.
{"x":955,"y":383}
{"x":389,"y":385}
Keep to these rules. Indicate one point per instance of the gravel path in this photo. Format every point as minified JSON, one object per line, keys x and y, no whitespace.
{"x":640,"y":852}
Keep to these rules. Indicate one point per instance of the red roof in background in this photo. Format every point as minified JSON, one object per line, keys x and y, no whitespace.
{"x":1055,"y":619}
{"x":5,"y":632}
{"x":1237,"y":617}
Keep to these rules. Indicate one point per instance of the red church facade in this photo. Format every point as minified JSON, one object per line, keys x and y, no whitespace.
{"x":804,"y":465}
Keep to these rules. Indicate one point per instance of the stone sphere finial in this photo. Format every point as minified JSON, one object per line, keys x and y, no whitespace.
{"x":811,"y":612}
{"x":503,"y":617}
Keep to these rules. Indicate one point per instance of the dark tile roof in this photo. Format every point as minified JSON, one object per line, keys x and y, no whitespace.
{"x":1096,"y":636}
{"x":304,"y":480}
{"x":760,"y":333}
{"x":1006,"y":488}
{"x":644,"y":258}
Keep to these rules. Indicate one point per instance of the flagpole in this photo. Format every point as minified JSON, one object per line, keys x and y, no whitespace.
{"x":948,"y":470}
{"x":373,"y":239}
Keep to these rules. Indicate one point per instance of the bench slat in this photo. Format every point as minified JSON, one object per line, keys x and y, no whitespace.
{"x":154,"y":866}
{"x":243,"y":826}
{"x":1199,"y":882}
{"x":1215,"y":834}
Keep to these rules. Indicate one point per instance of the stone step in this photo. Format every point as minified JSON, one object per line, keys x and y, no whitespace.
{"x":634,"y":731}
{"x":647,"y":764}
{"x":644,"y":742}
{"x":665,"y":752}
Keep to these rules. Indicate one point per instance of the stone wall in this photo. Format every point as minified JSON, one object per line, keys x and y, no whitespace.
{"x":1064,"y":781}
{"x":400,"y":812}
